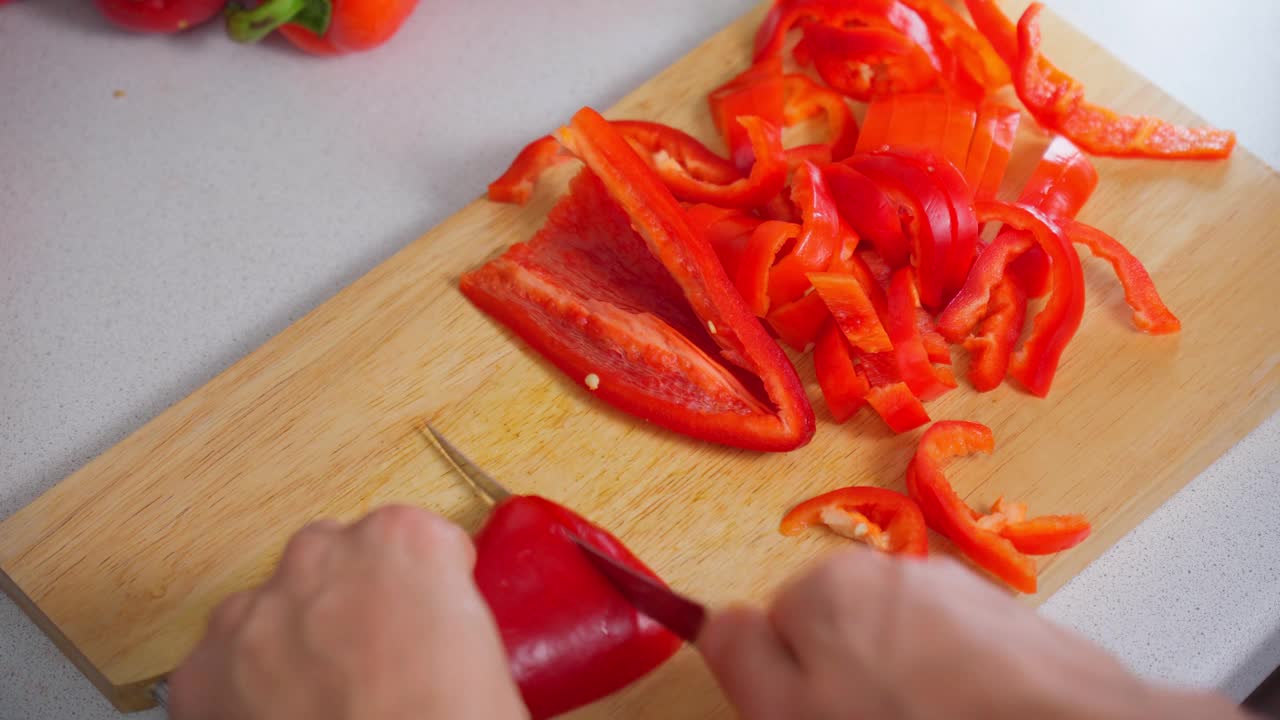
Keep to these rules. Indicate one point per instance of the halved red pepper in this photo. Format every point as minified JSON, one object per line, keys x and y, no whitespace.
{"x":1150,"y":314}
{"x":570,"y":637}
{"x":843,"y":387}
{"x":819,"y":241}
{"x":1035,"y":364}
{"x":988,"y":156}
{"x":925,"y":381}
{"x":992,"y":344}
{"x":1061,"y":183}
{"x":853,"y":311}
{"x":756,"y":92}
{"x":864,"y":62}
{"x":806,"y":98}
{"x":886,"y":520}
{"x":1056,"y":100}
{"x":620,"y":293}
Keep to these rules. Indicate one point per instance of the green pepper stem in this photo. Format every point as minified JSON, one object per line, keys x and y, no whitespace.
{"x":250,"y":26}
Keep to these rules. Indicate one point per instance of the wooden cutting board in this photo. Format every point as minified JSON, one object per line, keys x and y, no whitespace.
{"x":121,"y":561}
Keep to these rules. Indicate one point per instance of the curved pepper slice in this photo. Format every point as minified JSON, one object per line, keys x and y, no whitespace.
{"x":886,"y":520}
{"x":868,"y":61}
{"x":978,"y":59}
{"x":727,"y":230}
{"x":798,"y":322}
{"x":785,"y":14}
{"x":853,"y":312}
{"x":947,"y":513}
{"x":843,"y":387}
{"x":620,"y":293}
{"x":1056,"y":100}
{"x":988,"y":155}
{"x":757,"y":92}
{"x":516,"y":184}
{"x":752,"y":279}
{"x":924,"y":380}
{"x":870,"y":211}
{"x":991,"y":346}
{"x":806,"y":99}
{"x":1150,"y":314}
{"x":819,"y":241}
{"x":571,"y":638}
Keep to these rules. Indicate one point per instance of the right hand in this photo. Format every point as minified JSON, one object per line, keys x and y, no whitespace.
{"x":866,"y":635}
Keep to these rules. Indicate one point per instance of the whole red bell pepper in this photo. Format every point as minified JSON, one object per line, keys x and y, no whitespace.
{"x":886,"y":520}
{"x":159,"y":16}
{"x":323,"y":27}
{"x":622,"y":294}
{"x":571,"y":638}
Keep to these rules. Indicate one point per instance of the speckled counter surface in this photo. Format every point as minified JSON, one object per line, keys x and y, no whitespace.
{"x":149,"y":240}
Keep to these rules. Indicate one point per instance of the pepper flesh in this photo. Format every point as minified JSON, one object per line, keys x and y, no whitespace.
{"x":868,"y":61}
{"x":757,"y":92}
{"x":991,"y":346}
{"x":571,"y":638}
{"x":806,"y":98}
{"x":888,"y":521}
{"x":843,"y":387}
{"x":619,"y":285}
{"x":1150,"y":314}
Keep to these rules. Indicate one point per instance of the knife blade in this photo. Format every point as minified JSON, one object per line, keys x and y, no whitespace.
{"x":676,"y":613}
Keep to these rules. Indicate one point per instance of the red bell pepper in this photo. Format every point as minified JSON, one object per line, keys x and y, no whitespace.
{"x":935,"y":346}
{"x":996,"y":27}
{"x":852,"y":310}
{"x":991,"y":346}
{"x":1056,"y":100}
{"x":798,"y":322}
{"x":517,"y":183}
{"x":870,"y":211}
{"x":1035,"y":364}
{"x":879,"y":120}
{"x":924,"y":380}
{"x":869,"y":61}
{"x":571,"y":638}
{"x":158,"y":16}
{"x":1042,"y":535}
{"x":817,"y":153}
{"x":988,"y":156}
{"x":752,"y":280}
{"x":897,"y":406}
{"x":785,"y":14}
{"x":977,"y":58}
{"x":756,"y":92}
{"x":323,"y":27}
{"x":886,"y":520}
{"x":843,"y":387}
{"x":728,"y":231}
{"x":1150,"y":314}
{"x":618,"y":290}
{"x":820,"y":239}
{"x":806,"y":99}
{"x":938,"y":122}
{"x":1061,"y":183}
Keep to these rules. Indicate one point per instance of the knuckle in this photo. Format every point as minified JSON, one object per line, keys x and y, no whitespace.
{"x":228,"y":613}
{"x":306,"y":546}
{"x":421,"y":530}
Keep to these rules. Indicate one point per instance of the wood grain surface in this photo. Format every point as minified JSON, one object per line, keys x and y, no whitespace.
{"x":121,"y":561}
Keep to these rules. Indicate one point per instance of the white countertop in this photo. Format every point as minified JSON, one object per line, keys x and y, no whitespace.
{"x":147,"y":241}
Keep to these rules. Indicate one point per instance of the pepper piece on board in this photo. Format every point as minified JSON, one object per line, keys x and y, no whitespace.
{"x":865,"y":62}
{"x":1056,"y":100}
{"x":870,"y":211}
{"x":992,"y":344}
{"x":1059,"y":186}
{"x":886,"y":520}
{"x":853,"y":311}
{"x":806,"y":99}
{"x":977,"y":58}
{"x":756,"y":92}
{"x":752,"y":280}
{"x":995,"y":129}
{"x":571,"y":638}
{"x":728,"y":230}
{"x":843,"y":387}
{"x":516,"y":184}
{"x":949,"y":515}
{"x":1150,"y":314}
{"x":620,"y":292}
{"x":892,"y":14}
{"x":820,"y":238}
{"x":925,"y":381}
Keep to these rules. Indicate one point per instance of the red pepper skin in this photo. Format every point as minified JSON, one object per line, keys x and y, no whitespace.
{"x":897,"y":406}
{"x":798,"y":323}
{"x":323,"y":27}
{"x":728,"y":231}
{"x":785,"y":14}
{"x":820,"y":238}
{"x":977,"y":58}
{"x":997,"y":27}
{"x":843,"y":387}
{"x":756,"y":92}
{"x":806,"y":98}
{"x":854,"y":314}
{"x":159,"y":16}
{"x":994,"y":132}
{"x":1056,"y":100}
{"x":516,"y":184}
{"x":1150,"y":314}
{"x":869,"y":61}
{"x":991,"y":346}
{"x":752,"y":279}
{"x":655,"y":216}
{"x":870,"y":211}
{"x":571,"y":638}
{"x":947,"y":513}
{"x":894,"y":520}
{"x":908,"y":346}
{"x":1060,"y":185}
{"x":1047,"y":534}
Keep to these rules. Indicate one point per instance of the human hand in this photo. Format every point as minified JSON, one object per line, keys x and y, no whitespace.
{"x":379,"y":621}
{"x":866,"y":635}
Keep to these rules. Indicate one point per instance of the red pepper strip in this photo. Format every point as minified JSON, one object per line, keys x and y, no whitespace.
{"x":1056,"y":100}
{"x":978,"y":59}
{"x":964,"y":224}
{"x":785,"y":14}
{"x":962,"y":118}
{"x":936,"y":346}
{"x":900,"y":410}
{"x":516,"y":184}
{"x":571,"y":638}
{"x":727,"y":230}
{"x":819,"y":241}
{"x":947,"y":513}
{"x":1150,"y":314}
{"x":817,"y":153}
{"x":752,"y":279}
{"x":870,"y":211}
{"x":997,"y":27}
{"x":988,"y":157}
{"x":992,"y":344}
{"x":886,"y":520}
{"x":1059,"y":186}
{"x":757,"y":91}
{"x":869,"y":61}
{"x":931,"y":210}
{"x":853,"y":311}
{"x":908,"y":347}
{"x":806,"y":98}
{"x":843,"y":387}
{"x":877,"y":123}
{"x":618,"y":291}
{"x":1047,"y":534}
{"x":970,"y":305}
{"x":798,"y":322}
